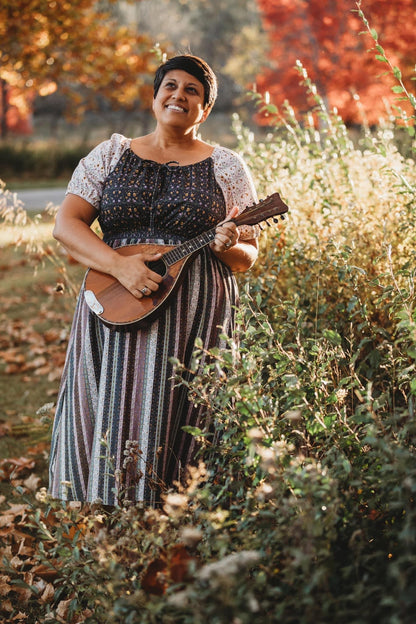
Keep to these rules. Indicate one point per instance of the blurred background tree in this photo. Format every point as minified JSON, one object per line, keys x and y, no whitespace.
{"x":75,"y":48}
{"x":228,"y":34}
{"x":325,"y":36}
{"x":67,"y":59}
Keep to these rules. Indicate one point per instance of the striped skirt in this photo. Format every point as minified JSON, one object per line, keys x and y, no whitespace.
{"x":117,"y":431}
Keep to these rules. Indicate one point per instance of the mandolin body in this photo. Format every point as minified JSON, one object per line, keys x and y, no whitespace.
{"x":115,"y":305}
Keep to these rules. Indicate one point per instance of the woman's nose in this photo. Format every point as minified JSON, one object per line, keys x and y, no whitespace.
{"x":180,"y":93}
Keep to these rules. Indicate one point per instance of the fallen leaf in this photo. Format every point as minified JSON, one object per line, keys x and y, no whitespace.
{"x":18,"y":509}
{"x":7,"y":606}
{"x":48,"y":593}
{"x":32,"y":482}
{"x":45,"y":572}
{"x":152,"y":580}
{"x":6,"y":520}
{"x":12,"y":369}
{"x":179,"y":559}
{"x":16,"y":562}
{"x":12,"y":356}
{"x":5,"y":428}
{"x":73,"y":529}
{"x":37,"y":362}
{"x":52,"y":335}
{"x":24,"y":594}
{"x":25,"y":550}
{"x":20,"y":617}
{"x":9,"y":529}
{"x":63,"y":607}
{"x":5,"y":588}
{"x":14,"y":465}
{"x":38,"y":449}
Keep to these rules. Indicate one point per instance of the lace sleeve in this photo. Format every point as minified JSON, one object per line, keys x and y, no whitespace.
{"x":88,"y":178}
{"x":236,"y":183}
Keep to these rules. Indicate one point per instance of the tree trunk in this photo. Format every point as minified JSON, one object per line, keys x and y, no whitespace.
{"x":3,"y":108}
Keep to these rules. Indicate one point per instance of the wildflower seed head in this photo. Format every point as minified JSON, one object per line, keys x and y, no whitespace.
{"x":190,"y":536}
{"x":256,"y":434}
{"x":175,"y":503}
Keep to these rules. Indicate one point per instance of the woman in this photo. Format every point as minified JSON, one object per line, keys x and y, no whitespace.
{"x":119,"y":418}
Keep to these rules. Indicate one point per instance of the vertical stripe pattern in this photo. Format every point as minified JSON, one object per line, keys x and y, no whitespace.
{"x":118,"y":429}
{"x":118,"y":387}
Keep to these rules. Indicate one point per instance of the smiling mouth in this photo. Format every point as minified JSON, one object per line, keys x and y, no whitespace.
{"x":178,"y":109}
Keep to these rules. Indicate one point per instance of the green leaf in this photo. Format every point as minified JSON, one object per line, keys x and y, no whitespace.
{"x":397,"y":73}
{"x":381,"y":58}
{"x":374,"y":34}
{"x":332,"y":336}
{"x":397,"y":89}
{"x":195,"y":431}
{"x":272,"y":109}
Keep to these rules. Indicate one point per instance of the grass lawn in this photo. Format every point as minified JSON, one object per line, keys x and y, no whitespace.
{"x":37,"y":293}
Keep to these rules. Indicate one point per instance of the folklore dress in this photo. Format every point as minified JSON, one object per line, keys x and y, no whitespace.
{"x":119,"y":416}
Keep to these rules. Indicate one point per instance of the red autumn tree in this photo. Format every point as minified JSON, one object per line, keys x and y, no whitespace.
{"x":72,"y":46}
{"x":325,"y":36}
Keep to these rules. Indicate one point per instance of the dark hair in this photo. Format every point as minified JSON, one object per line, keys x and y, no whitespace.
{"x":196,"y":67}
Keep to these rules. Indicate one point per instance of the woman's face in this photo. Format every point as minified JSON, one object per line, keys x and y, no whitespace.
{"x":180,"y":100}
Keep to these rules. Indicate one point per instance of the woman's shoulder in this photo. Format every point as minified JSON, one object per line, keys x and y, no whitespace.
{"x":106,"y":154}
{"x":234,"y":178}
{"x":230,"y":166}
{"x":227,"y":157}
{"x":116,"y":143}
{"x":88,"y":178}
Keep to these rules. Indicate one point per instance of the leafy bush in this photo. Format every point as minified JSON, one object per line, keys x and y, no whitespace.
{"x":24,"y":163}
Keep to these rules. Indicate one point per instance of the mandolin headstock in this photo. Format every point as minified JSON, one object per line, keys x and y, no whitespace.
{"x":271,"y":207}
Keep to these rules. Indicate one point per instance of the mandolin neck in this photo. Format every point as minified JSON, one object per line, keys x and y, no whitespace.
{"x":266,"y":209}
{"x":189,"y":247}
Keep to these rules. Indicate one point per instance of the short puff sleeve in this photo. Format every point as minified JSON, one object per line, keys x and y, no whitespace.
{"x":88,"y":178}
{"x":234,"y":178}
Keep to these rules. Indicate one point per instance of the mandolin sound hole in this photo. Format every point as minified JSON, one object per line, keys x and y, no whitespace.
{"x":158,"y":266}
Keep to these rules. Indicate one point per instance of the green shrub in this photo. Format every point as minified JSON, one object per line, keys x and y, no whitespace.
{"x":34,"y":164}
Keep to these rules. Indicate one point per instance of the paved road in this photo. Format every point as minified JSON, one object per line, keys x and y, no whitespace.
{"x":37,"y":199}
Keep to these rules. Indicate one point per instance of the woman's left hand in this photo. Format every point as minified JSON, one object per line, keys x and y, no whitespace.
{"x":226,"y":234}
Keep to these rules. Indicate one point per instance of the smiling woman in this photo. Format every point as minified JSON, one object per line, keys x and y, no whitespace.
{"x":182,"y":96}
{"x":118,"y":431}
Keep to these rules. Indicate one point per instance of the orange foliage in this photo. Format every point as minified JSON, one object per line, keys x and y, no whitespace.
{"x":325,"y":36}
{"x":73,"y":47}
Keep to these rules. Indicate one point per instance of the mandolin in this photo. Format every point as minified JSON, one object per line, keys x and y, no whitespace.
{"x":116,"y":306}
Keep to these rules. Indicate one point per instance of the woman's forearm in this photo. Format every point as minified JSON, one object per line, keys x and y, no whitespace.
{"x":85,"y":246}
{"x":241,"y":256}
{"x":73,"y":230}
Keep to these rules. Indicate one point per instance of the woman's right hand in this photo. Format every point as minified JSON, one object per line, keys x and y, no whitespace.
{"x":133,"y":273}
{"x":73,"y":230}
